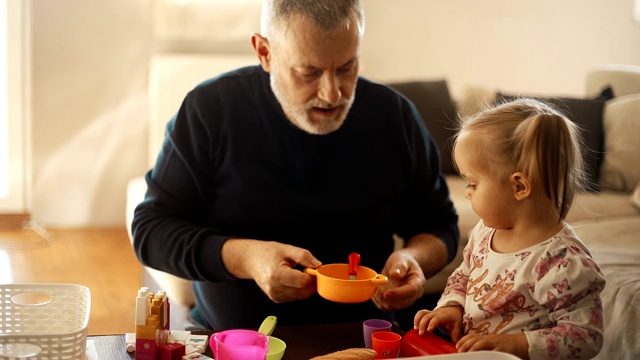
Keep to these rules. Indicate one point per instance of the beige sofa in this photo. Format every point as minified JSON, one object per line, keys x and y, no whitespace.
{"x":606,"y":220}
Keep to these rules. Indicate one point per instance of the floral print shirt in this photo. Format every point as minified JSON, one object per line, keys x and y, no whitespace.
{"x":549,"y":291}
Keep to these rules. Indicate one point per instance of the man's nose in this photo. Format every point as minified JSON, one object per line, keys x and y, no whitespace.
{"x":329,"y":90}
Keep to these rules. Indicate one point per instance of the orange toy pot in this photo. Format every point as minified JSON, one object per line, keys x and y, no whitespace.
{"x":334,"y":284}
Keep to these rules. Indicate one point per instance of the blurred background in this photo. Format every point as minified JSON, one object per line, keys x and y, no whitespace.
{"x":76,"y":111}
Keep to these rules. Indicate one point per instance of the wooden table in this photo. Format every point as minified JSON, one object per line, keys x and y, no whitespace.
{"x":303,"y":342}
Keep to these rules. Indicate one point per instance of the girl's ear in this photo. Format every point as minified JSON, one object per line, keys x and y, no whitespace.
{"x":262,"y":49}
{"x":521,"y":185}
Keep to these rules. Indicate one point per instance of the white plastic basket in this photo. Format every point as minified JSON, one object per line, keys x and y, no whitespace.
{"x":44,"y":321}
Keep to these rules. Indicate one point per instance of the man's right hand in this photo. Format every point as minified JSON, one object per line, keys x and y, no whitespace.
{"x":271,"y":265}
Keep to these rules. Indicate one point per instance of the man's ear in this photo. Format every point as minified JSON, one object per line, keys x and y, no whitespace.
{"x":521,"y":185}
{"x":262,"y":48}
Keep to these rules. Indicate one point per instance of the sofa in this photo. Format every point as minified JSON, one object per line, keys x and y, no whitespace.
{"x":606,"y":217}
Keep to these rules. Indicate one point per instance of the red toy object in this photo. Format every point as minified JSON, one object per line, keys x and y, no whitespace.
{"x":427,"y":344}
{"x":172,"y":351}
{"x":354,"y":262}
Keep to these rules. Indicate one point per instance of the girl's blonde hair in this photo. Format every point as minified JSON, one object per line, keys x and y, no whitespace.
{"x":532,"y":137}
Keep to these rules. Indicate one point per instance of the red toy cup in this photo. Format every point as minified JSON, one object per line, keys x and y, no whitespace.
{"x":386,"y":344}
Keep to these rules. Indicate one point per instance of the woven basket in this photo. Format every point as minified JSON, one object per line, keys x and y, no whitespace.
{"x":44,"y":321}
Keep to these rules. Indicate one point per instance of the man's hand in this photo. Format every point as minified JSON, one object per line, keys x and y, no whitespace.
{"x":406,"y":282}
{"x":407,"y":269}
{"x":271,"y":265}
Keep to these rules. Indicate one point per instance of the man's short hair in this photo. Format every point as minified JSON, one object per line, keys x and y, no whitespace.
{"x":326,"y":14}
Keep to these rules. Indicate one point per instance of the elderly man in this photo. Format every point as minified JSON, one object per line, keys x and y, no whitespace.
{"x":295,"y":163}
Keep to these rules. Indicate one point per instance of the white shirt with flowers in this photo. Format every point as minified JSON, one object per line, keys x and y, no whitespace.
{"x":549,"y":291}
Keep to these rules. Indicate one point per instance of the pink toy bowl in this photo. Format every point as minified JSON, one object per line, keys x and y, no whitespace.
{"x":239,"y":344}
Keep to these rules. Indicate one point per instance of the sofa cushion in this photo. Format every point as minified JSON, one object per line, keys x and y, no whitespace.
{"x":605,"y":204}
{"x":624,"y":79}
{"x":620,"y":170}
{"x":635,"y":197}
{"x":433,"y":101}
{"x":587,"y":114}
{"x":613,"y":243}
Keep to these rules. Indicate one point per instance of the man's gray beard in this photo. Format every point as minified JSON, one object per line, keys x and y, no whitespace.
{"x":302,"y":120}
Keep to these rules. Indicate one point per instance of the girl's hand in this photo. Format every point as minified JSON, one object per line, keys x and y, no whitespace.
{"x":449,"y":317}
{"x":515,"y":344}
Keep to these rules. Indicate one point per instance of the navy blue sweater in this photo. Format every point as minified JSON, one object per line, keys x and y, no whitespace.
{"x":232,"y":165}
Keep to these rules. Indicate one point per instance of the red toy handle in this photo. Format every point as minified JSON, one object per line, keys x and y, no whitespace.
{"x":354,"y":262}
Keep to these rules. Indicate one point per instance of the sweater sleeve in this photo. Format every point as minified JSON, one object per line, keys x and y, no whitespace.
{"x":427,"y":206}
{"x":169,"y":227}
{"x":568,"y":286}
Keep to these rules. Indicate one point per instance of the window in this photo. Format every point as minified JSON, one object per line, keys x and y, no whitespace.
{"x":13,"y":66}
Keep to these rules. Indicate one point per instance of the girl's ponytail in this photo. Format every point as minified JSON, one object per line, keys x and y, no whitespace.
{"x":550,"y":153}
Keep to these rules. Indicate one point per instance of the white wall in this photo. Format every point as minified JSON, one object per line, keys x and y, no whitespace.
{"x":90,"y":63}
{"x":534,"y":45}
{"x":89,"y":109}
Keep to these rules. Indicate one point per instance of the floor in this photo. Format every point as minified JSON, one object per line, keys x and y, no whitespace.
{"x":100,"y":259}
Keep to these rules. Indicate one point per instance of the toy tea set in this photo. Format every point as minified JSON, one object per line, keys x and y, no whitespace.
{"x":343,"y":283}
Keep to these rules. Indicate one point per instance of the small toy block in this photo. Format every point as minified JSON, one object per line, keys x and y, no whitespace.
{"x":178,"y":336}
{"x":130,"y":341}
{"x":171,"y":351}
{"x":198,"y":341}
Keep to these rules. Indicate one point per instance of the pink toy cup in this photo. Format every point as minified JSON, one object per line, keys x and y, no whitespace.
{"x":239,"y":344}
{"x":372,"y":325}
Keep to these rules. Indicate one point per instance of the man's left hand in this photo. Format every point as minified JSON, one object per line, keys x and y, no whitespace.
{"x":406,"y":282}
